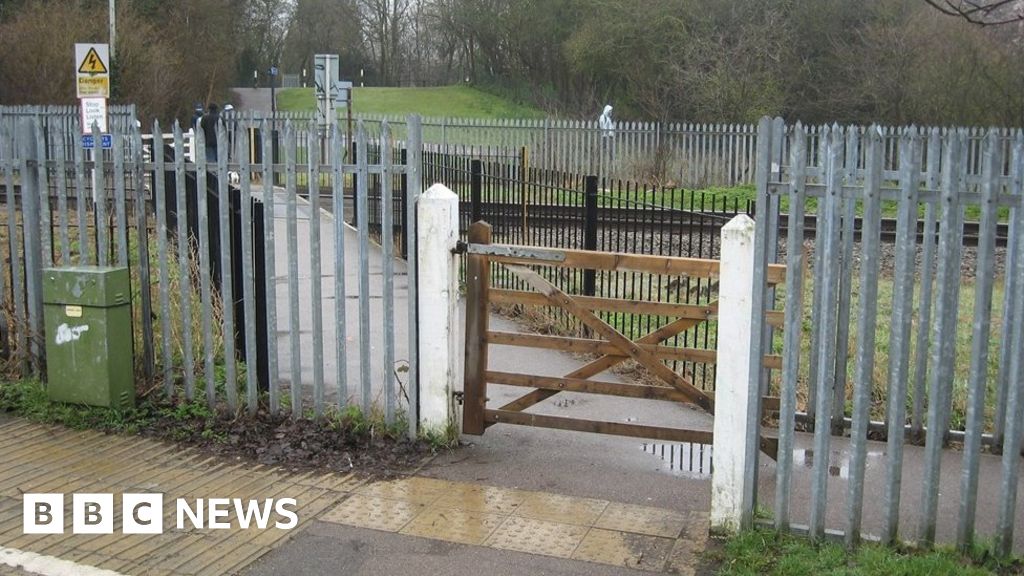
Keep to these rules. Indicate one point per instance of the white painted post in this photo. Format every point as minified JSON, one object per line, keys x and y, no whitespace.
{"x":437,"y":231}
{"x":735,"y":310}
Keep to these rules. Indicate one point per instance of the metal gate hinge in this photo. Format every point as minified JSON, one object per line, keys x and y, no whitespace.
{"x":458,"y":395}
{"x":460,"y":247}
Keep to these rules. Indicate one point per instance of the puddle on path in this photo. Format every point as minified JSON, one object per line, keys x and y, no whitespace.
{"x":686,"y":459}
{"x":838,"y":461}
{"x":693,"y":460}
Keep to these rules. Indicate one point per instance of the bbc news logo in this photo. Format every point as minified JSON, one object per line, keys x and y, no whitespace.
{"x":143,"y":513}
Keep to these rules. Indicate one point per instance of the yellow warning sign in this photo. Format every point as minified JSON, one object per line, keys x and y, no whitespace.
{"x":92,"y":63}
{"x":98,"y":87}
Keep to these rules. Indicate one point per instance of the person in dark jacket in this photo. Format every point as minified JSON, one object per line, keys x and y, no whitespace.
{"x":209,"y":125}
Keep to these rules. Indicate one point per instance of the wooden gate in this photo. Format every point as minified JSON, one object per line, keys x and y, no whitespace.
{"x":609,"y":346}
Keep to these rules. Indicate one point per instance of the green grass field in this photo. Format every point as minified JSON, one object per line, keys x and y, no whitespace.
{"x":450,"y":101}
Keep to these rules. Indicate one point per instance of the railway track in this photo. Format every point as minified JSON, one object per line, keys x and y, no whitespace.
{"x":675,"y":221}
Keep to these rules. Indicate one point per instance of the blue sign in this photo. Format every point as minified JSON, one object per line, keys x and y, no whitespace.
{"x":106,"y":141}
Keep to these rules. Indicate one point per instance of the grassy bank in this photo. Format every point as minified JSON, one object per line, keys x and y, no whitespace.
{"x":450,"y":101}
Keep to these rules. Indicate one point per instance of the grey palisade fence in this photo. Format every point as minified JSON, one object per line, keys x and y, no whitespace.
{"x":872,"y":350}
{"x":238,"y":262}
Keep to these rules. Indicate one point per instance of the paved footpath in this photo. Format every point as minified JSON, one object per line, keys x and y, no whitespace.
{"x":346,"y":524}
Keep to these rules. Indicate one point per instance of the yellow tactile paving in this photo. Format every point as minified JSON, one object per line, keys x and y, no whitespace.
{"x":537,"y":537}
{"x":52,"y":459}
{"x":624,"y":549}
{"x":641,"y":520}
{"x":477,"y":498}
{"x":416,"y":489}
{"x":565,"y":509}
{"x":371,"y":512}
{"x":639,"y":537}
{"x":43,"y":458}
{"x":453,"y":525}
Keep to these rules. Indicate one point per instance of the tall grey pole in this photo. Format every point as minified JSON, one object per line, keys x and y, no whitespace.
{"x":113,"y":26}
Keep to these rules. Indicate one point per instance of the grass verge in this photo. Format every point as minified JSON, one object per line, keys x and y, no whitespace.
{"x":448,"y":101}
{"x":766,"y":552}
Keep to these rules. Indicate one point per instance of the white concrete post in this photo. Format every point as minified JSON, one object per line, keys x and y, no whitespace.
{"x":437,"y":231}
{"x":735,"y":311}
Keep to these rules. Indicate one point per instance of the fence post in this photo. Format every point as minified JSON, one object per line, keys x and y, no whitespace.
{"x":475,"y":383}
{"x":33,"y":243}
{"x":476,"y":169}
{"x":437,"y":228}
{"x":732,"y":400}
{"x":524,"y":171}
{"x":403,"y":205}
{"x":590,"y":231}
{"x":355,"y":189}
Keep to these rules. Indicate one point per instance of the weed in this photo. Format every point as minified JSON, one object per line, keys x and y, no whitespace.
{"x":442,"y":439}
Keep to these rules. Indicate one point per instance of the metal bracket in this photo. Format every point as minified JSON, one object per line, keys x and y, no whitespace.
{"x":516,"y":252}
{"x":460,"y":247}
{"x":458,"y":396}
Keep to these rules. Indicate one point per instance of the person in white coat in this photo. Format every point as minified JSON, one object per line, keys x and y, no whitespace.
{"x":607,"y":127}
{"x":605,"y":123}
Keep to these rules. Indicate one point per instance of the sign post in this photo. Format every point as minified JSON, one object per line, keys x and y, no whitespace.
{"x":272,"y":72}
{"x":92,"y":70}
{"x":94,"y":111}
{"x":325,"y":74}
{"x":92,"y":86}
{"x":343,"y":97}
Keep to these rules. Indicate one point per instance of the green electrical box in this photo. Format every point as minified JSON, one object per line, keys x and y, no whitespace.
{"x":88,"y":326}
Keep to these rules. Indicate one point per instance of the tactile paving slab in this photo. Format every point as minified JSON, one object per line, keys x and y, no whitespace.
{"x":42,"y":458}
{"x":477,"y":498}
{"x":564,"y":509}
{"x":415,"y":489}
{"x":453,"y":525}
{"x":641,"y":520}
{"x":624,"y":549}
{"x":537,"y":537}
{"x":371,"y":512}
{"x":586,"y":529}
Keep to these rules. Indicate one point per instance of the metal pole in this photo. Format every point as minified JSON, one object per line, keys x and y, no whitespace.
{"x":476,"y":189}
{"x":590,"y":232}
{"x":113,"y":27}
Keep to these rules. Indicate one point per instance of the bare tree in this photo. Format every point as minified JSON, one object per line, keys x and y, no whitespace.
{"x":981,"y":12}
{"x":264,"y":29}
{"x":325,"y":27}
{"x":385,"y":25}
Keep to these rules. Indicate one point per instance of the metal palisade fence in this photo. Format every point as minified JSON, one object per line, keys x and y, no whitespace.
{"x":249,"y":287}
{"x":674,"y":155}
{"x":680,"y":154}
{"x":921,"y":343}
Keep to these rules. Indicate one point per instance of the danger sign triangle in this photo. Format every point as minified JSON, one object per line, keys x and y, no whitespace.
{"x":92,"y":63}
